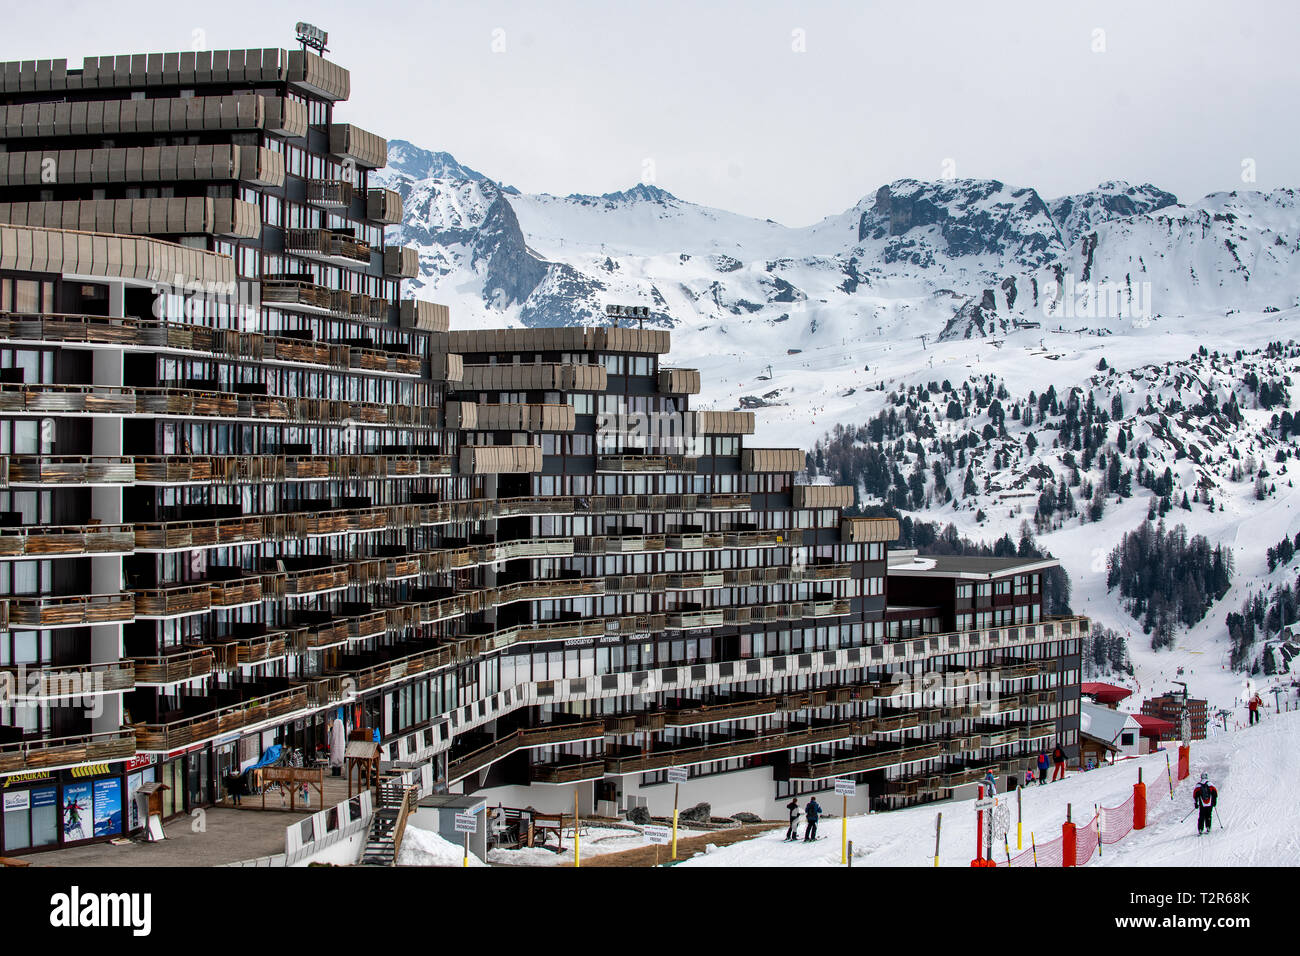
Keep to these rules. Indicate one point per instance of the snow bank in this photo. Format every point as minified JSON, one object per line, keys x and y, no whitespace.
{"x":426,"y":848}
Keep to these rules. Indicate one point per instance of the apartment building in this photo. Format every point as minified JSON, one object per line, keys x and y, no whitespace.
{"x":247,"y":487}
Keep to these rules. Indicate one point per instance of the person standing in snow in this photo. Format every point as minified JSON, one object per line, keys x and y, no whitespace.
{"x":1058,"y":763}
{"x":812,"y":812}
{"x":1256,"y":702}
{"x":793,"y":809}
{"x":1205,"y":798}
{"x":1042,"y":769}
{"x":990,"y":785}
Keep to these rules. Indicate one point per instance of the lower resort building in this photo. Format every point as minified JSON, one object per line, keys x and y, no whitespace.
{"x":247,"y":489}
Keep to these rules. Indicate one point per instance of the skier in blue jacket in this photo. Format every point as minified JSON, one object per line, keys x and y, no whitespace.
{"x":811,"y":813}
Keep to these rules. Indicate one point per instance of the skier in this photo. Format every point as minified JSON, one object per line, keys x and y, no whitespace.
{"x":1256,"y":703}
{"x":792,"y":808}
{"x":812,"y":812}
{"x":1205,"y":798}
{"x":1042,"y":769}
{"x":1058,"y":763}
{"x":990,"y":785}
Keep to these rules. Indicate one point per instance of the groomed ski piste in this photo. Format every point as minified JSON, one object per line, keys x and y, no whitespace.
{"x":1256,"y":771}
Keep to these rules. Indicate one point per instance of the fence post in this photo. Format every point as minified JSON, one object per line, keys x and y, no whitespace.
{"x":1139,"y":803}
{"x":1068,"y":838}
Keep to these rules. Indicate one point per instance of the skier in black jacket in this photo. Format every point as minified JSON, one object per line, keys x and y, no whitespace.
{"x":812,"y":812}
{"x":1205,"y":798}
{"x":793,"y":809}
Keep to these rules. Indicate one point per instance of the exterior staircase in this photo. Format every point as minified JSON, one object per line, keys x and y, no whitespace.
{"x":394,"y":805}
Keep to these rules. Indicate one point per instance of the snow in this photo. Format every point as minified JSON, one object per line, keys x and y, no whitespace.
{"x":1256,"y":771}
{"x":596,"y":841}
{"x":426,"y":848}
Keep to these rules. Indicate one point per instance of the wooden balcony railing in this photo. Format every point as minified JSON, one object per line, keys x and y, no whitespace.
{"x":54,"y":470}
{"x":36,"y":681}
{"x":66,"y":751}
{"x":321,"y":243}
{"x":575,"y":772}
{"x":873,"y":759}
{"x":223,"y":720}
{"x":466,"y":764}
{"x":175,"y":666}
{"x":54,"y":540}
{"x":70,"y":611}
{"x":726,"y":749}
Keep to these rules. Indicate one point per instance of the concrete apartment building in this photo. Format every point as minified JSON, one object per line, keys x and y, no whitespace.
{"x":246,"y":487}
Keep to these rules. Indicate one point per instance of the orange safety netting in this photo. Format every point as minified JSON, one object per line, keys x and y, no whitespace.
{"x":1117,"y":822}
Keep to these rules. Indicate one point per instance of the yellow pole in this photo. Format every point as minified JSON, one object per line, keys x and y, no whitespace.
{"x":1020,"y":815}
{"x":844,"y":832}
{"x":576,"y":857}
{"x":677,"y":787}
{"x":465,"y":862}
{"x":938,"y":825}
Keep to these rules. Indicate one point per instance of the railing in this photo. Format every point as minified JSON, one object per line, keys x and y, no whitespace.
{"x":726,"y":749}
{"x":326,"y":244}
{"x":66,"y":751}
{"x":83,"y":680}
{"x":567,"y":772}
{"x":56,"y":540}
{"x":180,"y":733}
{"x":37,"y":612}
{"x":174,"y":667}
{"x":466,"y":764}
{"x":872,"y":760}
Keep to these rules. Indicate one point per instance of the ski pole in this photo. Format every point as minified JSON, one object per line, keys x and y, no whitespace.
{"x":1216,"y":816}
{"x":1188,"y":814}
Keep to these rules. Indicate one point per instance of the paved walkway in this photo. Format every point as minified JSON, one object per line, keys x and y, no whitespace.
{"x":213,"y":838}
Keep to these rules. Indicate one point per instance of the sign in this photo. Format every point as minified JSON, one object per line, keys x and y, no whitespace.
{"x":846,"y":788}
{"x":677,"y":775}
{"x":985,"y":803}
{"x":466,"y":823}
{"x":18,"y":800}
{"x":658,"y":835}
{"x":145,"y":760}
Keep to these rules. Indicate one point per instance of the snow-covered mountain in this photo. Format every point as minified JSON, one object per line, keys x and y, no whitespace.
{"x":965,"y":257}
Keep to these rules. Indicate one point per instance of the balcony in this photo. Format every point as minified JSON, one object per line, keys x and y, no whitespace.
{"x":339,"y":248}
{"x":575,"y":771}
{"x":296,"y":295}
{"x":693,"y":620}
{"x":330,"y":193}
{"x":52,"y":752}
{"x":40,"y":682}
{"x":863,"y":759}
{"x":395,"y":663}
{"x":624,"y":760}
{"x":215,"y":721}
{"x":645,"y":463}
{"x":74,"y":611}
{"x":721,"y":711}
{"x":46,"y":541}
{"x":51,"y":471}
{"x":463,"y":765}
{"x":384,"y":205}
{"x":66,"y":399}
{"x":173,"y":667}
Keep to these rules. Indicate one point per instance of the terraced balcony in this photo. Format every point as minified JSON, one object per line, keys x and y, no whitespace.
{"x":461,"y":766}
{"x":339,"y":248}
{"x":70,"y":611}
{"x":863,"y":759}
{"x":638,"y":464}
{"x":330,"y":193}
{"x":622,"y":760}
{"x":577,"y":770}
{"x":39,"y":682}
{"x":51,"y":752}
{"x":65,"y":470}
{"x":47,"y":541}
{"x":182,"y":664}
{"x":214,"y":718}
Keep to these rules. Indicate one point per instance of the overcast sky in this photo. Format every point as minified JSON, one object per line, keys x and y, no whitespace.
{"x":783,"y":110}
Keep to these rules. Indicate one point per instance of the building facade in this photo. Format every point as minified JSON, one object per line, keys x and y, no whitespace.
{"x":246,"y":487}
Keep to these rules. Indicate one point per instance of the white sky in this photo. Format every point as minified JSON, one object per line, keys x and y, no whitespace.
{"x":713,"y":102}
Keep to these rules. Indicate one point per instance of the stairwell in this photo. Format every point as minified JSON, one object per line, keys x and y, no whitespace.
{"x":395,"y":803}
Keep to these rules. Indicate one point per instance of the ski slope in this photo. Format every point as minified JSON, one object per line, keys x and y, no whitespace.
{"x":1256,"y":771}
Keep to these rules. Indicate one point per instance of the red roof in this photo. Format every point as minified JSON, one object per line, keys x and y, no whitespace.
{"x":1105,"y":693}
{"x":1153,"y":726}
